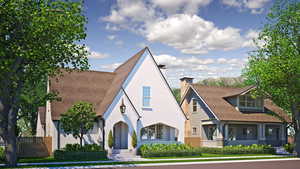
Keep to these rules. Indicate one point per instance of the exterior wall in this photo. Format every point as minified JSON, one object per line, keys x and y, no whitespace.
{"x":39,"y":128}
{"x":163,"y":104}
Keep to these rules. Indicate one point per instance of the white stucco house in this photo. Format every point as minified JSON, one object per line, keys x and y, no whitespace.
{"x":138,"y":84}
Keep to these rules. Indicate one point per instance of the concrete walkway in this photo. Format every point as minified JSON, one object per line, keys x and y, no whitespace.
{"x":144,"y":159}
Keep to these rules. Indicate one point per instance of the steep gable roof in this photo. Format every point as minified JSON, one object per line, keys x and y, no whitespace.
{"x":214,"y":97}
{"x":98,"y":88}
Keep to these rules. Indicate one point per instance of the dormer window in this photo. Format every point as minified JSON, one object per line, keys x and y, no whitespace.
{"x":247,"y":102}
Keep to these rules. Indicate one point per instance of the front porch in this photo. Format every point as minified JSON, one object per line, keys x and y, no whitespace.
{"x":219,"y":134}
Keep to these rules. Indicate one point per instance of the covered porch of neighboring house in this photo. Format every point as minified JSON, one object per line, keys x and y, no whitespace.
{"x":218,"y":134}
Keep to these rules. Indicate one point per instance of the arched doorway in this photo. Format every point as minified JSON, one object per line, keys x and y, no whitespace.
{"x":120,"y":136}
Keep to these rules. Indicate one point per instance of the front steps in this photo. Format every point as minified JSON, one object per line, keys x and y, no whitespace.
{"x":123,"y":155}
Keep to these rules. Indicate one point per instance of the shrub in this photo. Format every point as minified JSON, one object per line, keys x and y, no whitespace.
{"x":76,"y":152}
{"x":66,"y":155}
{"x":167,"y":150}
{"x":289,"y":147}
{"x":134,"y":140}
{"x":85,"y":148}
{"x":2,"y":155}
{"x":110,"y":139}
{"x":240,"y":149}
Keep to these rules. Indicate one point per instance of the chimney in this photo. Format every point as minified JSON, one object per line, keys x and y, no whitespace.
{"x":163,"y":69}
{"x":184,"y":83}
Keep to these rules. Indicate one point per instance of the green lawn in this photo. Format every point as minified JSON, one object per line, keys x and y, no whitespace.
{"x":147,"y":162}
{"x":205,"y":155}
{"x":49,"y":159}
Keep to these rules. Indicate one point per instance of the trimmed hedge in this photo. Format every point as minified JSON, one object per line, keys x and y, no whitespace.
{"x":178,"y":150}
{"x":167,"y":150}
{"x":240,"y":149}
{"x":65,"y":155}
{"x":2,"y":155}
{"x":85,"y":148}
{"x":76,"y":152}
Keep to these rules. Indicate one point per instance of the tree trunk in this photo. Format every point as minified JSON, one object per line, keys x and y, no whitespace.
{"x":11,"y":141}
{"x":296,"y":114}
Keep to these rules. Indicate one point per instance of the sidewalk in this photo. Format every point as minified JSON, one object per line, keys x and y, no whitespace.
{"x":146,"y":160}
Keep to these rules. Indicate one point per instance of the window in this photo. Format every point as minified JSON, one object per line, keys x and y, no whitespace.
{"x":154,"y":132}
{"x":242,"y":132}
{"x":247,"y":101}
{"x":194,"y":105}
{"x":272,"y":132}
{"x":210,"y":131}
{"x":146,"y":96}
{"x":194,"y":132}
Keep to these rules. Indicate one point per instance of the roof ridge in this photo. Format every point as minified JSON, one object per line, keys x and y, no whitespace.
{"x":229,"y":87}
{"x":131,"y":58}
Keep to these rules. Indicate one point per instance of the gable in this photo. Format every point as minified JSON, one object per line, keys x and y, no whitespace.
{"x":163,"y":103}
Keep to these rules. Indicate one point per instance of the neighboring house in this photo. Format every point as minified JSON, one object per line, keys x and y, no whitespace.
{"x":137,"y":85}
{"x":220,"y":116}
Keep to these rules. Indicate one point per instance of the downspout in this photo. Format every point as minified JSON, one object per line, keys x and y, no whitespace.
{"x":58,"y":134}
{"x":103,"y":133}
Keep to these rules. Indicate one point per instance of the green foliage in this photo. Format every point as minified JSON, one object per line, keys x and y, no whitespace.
{"x":224,"y":82}
{"x":240,"y":149}
{"x":177,"y":95}
{"x":77,"y":152}
{"x":289,"y":147}
{"x":134,"y":140}
{"x":110,"y":139}
{"x":37,"y":39}
{"x":65,"y":155}
{"x":275,"y":66}
{"x":177,"y":150}
{"x":2,"y":155}
{"x":85,"y":148}
{"x":167,"y":150}
{"x":79,"y":119}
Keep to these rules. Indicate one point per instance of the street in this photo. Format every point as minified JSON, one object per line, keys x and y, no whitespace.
{"x":293,"y":164}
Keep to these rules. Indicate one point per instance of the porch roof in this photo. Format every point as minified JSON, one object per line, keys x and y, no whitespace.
{"x":215,"y":96}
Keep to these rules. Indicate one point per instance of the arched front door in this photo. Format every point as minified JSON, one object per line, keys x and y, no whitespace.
{"x":120,"y":135}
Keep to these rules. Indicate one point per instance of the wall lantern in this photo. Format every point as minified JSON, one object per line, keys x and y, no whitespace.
{"x":122,"y":107}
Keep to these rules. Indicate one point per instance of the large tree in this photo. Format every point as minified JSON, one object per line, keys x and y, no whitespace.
{"x":275,"y":66}
{"x":37,"y":39}
{"x":78,"y":120}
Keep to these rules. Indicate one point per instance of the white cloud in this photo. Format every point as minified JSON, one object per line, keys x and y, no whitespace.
{"x":194,"y":35}
{"x":255,"y":6}
{"x":199,"y":68}
{"x":111,"y":37}
{"x":119,"y":43}
{"x":96,"y":55}
{"x":187,"y":6}
{"x":111,"y":27}
{"x":186,"y":32}
{"x":110,"y":67}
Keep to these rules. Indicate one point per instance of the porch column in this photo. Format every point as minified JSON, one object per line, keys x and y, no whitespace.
{"x":220,"y":131}
{"x":261,"y":133}
{"x":226,"y":132}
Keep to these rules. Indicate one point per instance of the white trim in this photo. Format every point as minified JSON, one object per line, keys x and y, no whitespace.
{"x":166,"y":83}
{"x":204,"y":103}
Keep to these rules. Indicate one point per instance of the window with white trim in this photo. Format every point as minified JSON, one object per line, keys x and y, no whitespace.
{"x":146,"y":96}
{"x":194,"y":102}
{"x":248,"y":102}
{"x":194,"y":132}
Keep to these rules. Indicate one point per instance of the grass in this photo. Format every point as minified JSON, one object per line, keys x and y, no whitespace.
{"x":148,"y":162}
{"x":205,"y":155}
{"x":49,"y":159}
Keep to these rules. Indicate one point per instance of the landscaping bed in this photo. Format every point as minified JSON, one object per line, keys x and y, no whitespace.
{"x":182,"y":150}
{"x":167,"y":150}
{"x":76,"y":152}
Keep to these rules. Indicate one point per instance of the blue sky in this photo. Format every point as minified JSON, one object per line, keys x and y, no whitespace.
{"x":195,"y":38}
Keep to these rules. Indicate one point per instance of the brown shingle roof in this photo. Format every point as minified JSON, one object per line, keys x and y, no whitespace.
{"x":98,"y":88}
{"x":214,"y":98}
